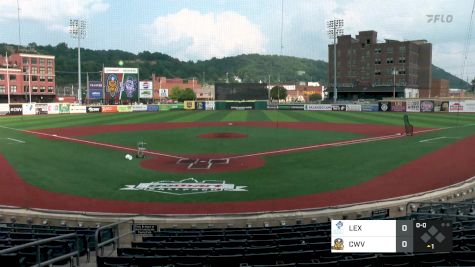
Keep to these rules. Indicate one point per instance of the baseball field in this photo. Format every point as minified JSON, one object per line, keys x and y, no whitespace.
{"x":204,"y":162}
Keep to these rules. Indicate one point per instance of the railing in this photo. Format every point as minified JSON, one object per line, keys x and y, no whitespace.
{"x":44,"y":241}
{"x":115,"y":237}
{"x":434,"y":204}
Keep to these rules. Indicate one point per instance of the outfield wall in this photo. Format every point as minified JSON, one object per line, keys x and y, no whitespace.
{"x":381,"y":106}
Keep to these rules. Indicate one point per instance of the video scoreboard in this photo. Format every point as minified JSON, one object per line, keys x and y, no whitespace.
{"x":390,"y":236}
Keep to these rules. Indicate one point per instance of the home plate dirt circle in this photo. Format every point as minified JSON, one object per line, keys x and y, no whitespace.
{"x":201,"y":163}
{"x":223,"y":135}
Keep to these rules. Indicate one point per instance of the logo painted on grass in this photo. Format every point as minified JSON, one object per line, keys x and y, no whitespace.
{"x":185,"y":187}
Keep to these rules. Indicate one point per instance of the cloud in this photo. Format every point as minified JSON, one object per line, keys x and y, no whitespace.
{"x":191,"y":35}
{"x":52,"y":12}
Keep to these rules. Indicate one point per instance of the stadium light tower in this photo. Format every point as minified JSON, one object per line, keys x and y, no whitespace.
{"x":77,"y":29}
{"x":334,"y":29}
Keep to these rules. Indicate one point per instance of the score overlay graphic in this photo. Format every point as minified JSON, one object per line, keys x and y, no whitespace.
{"x":390,"y":236}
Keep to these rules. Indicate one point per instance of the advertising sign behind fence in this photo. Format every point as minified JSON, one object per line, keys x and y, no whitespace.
{"x":427,"y":106}
{"x":413,"y":106}
{"x":29,"y":109}
{"x":15,"y":109}
{"x":369,"y":107}
{"x":398,"y":106}
{"x":77,"y":109}
{"x":4,"y":109}
{"x":53,"y":108}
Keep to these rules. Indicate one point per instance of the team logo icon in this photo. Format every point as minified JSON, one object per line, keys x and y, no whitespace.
{"x":338,"y":244}
{"x":112,"y":85}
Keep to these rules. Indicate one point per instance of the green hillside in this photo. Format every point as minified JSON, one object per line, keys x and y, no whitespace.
{"x":249,"y":68}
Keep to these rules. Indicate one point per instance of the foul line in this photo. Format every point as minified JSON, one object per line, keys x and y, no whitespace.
{"x":16,"y":140}
{"x":279,"y":151}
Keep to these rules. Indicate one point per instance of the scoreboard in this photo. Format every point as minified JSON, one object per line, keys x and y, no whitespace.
{"x":390,"y":236}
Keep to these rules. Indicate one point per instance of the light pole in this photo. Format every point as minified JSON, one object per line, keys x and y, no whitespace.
{"x":334,"y":29}
{"x":77,"y":29}
{"x":394,"y":82}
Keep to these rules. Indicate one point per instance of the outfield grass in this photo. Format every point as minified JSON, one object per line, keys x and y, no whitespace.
{"x":97,"y":172}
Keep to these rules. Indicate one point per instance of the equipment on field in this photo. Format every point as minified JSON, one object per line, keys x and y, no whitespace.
{"x":128,"y":157}
{"x":408,"y":126}
{"x":141,"y":149}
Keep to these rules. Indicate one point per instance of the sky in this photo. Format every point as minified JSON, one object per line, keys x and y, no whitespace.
{"x":202,"y":29}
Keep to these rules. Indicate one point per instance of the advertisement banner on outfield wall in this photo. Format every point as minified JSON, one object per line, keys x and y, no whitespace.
{"x":369,"y":107}
{"x":152,"y":108}
{"x":398,"y":106}
{"x":29,"y":109}
{"x":94,"y":109}
{"x":64,"y":108}
{"x":15,"y":109}
{"x":318,"y":107}
{"x":95,"y":90}
{"x":353,"y":107}
{"x":124,"y":108}
{"x":456,"y":106}
{"x":338,"y":107}
{"x":139,"y":108}
{"x":109,"y":109}
{"x":427,"y":106}
{"x":41,"y":108}
{"x":291,"y":107}
{"x":209,"y":105}
{"x":77,"y":109}
{"x":146,"y":89}
{"x":53,"y":108}
{"x":200,"y":105}
{"x":444,"y":106}
{"x":385,"y":106}
{"x":413,"y":106}
{"x":189,"y":105}
{"x":470,"y":105}
{"x":4,"y":108}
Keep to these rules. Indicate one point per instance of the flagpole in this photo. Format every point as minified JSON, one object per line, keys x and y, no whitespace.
{"x":8,"y":78}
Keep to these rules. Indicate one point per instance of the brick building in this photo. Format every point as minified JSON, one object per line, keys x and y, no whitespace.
{"x":169,"y":83}
{"x":25,"y":71}
{"x":439,"y":88}
{"x":368,"y":69}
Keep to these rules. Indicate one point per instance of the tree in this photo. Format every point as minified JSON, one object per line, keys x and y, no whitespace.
{"x":175,"y":93}
{"x":181,"y":95}
{"x":278,"y":92}
{"x":315,"y":97}
{"x":188,"y":94}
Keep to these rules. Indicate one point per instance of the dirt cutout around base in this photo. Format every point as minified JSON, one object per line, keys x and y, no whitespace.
{"x":223,"y":135}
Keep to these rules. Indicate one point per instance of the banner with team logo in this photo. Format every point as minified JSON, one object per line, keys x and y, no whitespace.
{"x":189,"y":105}
{"x":146,"y":89}
{"x":29,"y":109}
{"x":64,"y":108}
{"x":369,"y":107}
{"x":121,"y":84}
{"x":385,"y":106}
{"x":413,"y":105}
{"x":15,"y":109}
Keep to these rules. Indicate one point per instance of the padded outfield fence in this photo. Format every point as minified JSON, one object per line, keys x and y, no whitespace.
{"x":382,"y":106}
